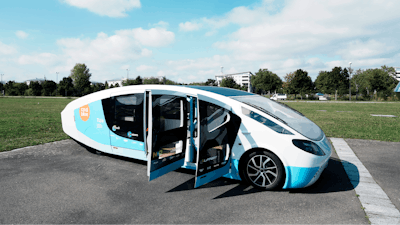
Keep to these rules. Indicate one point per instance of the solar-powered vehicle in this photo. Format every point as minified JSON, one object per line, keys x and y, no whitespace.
{"x":219,"y":132}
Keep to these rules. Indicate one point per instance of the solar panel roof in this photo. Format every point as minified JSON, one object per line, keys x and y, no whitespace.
{"x":221,"y":90}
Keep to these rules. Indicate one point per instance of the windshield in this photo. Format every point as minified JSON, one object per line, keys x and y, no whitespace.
{"x":285,"y":114}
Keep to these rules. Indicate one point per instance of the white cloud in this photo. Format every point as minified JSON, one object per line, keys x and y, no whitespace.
{"x":162,"y":24}
{"x":198,"y":70}
{"x":281,"y":36}
{"x":287,"y":38}
{"x":124,"y":46}
{"x":191,"y":78}
{"x":6,"y":49}
{"x":111,"y":8}
{"x":207,"y":72}
{"x":231,"y":70}
{"x":21,"y":34}
{"x":305,"y":27}
{"x":202,"y":63}
{"x":189,"y":26}
{"x":154,"y":37}
{"x":292,"y":63}
{"x":239,"y":15}
{"x":364,"y":49}
{"x":160,"y":73}
{"x":47,"y":59}
{"x":124,"y":67}
{"x":104,"y":55}
{"x":142,"y":68}
{"x":101,"y":51}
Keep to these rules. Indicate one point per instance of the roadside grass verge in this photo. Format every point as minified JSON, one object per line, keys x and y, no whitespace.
{"x":353,"y":119}
{"x":30,"y":121}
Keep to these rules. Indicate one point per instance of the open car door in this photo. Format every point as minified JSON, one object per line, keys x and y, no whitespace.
{"x":218,"y":131}
{"x":124,"y":113}
{"x":167,"y":132}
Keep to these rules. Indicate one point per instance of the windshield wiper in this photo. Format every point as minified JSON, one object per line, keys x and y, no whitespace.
{"x":266,"y":112}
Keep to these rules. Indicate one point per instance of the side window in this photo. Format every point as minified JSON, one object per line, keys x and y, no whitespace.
{"x":214,"y":137}
{"x":127,"y":118}
{"x":169,"y":126}
{"x":216,"y":115}
{"x":265,"y":121}
{"x":167,"y":112}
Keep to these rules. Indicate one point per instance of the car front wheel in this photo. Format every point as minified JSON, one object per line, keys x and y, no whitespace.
{"x":263,"y":170}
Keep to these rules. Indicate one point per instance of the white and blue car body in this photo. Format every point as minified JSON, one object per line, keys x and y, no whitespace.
{"x":219,"y":132}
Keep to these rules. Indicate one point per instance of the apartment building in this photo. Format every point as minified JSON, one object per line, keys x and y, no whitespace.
{"x":243,"y":79}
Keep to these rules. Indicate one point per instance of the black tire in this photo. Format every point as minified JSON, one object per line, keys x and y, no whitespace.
{"x":263,"y":170}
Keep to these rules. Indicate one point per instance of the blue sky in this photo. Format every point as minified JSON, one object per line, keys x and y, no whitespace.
{"x":189,"y":41}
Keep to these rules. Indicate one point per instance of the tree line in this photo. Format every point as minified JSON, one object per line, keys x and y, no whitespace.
{"x":364,"y":83}
{"x":76,"y":84}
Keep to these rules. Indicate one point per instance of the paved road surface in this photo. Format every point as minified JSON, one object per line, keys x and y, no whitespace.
{"x":382,"y":159}
{"x":62,"y":182}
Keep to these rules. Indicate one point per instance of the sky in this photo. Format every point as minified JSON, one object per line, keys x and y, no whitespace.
{"x":189,"y":41}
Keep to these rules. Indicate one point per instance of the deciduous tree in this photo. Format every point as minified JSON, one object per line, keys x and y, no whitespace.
{"x":302,"y":83}
{"x":10,"y":88}
{"x":229,"y":82}
{"x":136,"y":81}
{"x":211,"y":82}
{"x":21,"y":88}
{"x":81,"y":77}
{"x":152,"y":80}
{"x":265,"y":80}
{"x":321,"y":83}
{"x":97,"y":87}
{"x":338,"y":79}
{"x":36,"y":88}
{"x":66,"y":87}
{"x":288,"y":83}
{"x":49,"y":87}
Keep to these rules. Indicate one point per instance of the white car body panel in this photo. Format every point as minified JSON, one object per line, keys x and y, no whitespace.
{"x":251,"y":135}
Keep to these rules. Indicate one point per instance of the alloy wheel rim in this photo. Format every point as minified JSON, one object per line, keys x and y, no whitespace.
{"x":262,"y":170}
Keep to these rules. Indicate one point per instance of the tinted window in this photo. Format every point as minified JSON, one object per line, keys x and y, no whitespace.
{"x":125,"y":117}
{"x":167,"y":112}
{"x":265,"y":121}
{"x":215,"y":116}
{"x":169,"y":129}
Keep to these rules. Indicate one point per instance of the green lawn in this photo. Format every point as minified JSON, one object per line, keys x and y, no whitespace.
{"x":33,"y":121}
{"x":30,"y":121}
{"x":355,"y":120}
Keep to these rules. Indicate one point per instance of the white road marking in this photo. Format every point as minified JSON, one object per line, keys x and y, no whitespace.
{"x":377,"y":205}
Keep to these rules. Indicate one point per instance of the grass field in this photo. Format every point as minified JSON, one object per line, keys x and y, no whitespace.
{"x":30,"y":121}
{"x":33,"y":121}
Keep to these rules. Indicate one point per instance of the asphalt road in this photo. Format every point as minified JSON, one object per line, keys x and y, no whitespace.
{"x":62,"y":182}
{"x":382,"y":160}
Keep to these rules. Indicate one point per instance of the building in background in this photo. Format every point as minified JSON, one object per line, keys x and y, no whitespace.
{"x":396,"y":73}
{"x":160,"y":78}
{"x":243,"y":79}
{"x":115,"y":81}
{"x":119,"y":81}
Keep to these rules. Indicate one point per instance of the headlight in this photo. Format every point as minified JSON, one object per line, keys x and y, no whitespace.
{"x":309,"y":147}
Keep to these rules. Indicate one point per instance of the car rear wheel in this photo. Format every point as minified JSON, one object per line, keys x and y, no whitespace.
{"x":263,"y":170}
